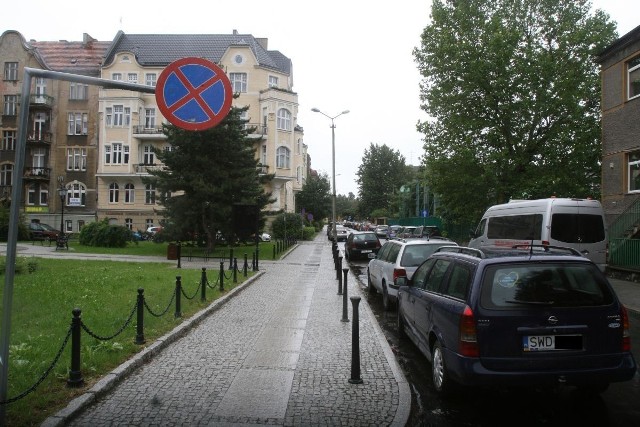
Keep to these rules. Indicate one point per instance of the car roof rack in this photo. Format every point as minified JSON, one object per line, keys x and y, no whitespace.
{"x":547,"y":248}
{"x":462,"y":250}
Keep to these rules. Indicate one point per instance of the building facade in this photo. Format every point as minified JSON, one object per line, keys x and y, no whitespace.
{"x":98,"y":143}
{"x":131,"y":123}
{"x":620,"y":76}
{"x":62,"y":129}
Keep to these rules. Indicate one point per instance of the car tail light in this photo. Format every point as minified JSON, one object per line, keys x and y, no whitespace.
{"x":545,"y":242}
{"x":626,"y":336}
{"x":468,"y":335}
{"x":399,"y":272}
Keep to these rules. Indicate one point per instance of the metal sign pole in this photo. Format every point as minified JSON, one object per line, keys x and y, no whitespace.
{"x":16,"y":200}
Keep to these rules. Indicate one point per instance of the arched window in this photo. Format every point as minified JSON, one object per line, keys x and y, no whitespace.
{"x":114,"y":192}
{"x":129,"y":193}
{"x":78,"y":192}
{"x":283,"y":155}
{"x":284,"y":119}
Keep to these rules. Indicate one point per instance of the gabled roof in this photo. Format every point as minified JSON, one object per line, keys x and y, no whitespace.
{"x":81,"y":57}
{"x":162,"y":49}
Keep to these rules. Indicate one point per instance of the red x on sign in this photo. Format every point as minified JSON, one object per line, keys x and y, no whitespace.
{"x":193,"y":93}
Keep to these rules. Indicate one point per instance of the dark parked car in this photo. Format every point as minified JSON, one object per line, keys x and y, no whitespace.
{"x":41,"y":231}
{"x":516,"y":317}
{"x":361,"y":244}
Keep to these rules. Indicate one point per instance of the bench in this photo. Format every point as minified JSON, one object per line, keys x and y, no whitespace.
{"x":62,"y":241}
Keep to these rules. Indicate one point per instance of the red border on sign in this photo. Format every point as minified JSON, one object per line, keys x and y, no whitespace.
{"x":193,"y":94}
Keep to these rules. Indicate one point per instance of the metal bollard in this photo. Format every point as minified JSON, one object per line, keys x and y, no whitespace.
{"x":355,"y":344}
{"x":339,"y":268}
{"x":257,"y":258}
{"x":274,"y":251}
{"x":178,"y":312}
{"x":235,"y":270}
{"x":221,"y":276}
{"x":203,"y":285}
{"x":253,"y":261}
{"x":245,"y":266}
{"x":179,"y":252}
{"x":140,"y":316}
{"x":345,"y":308}
{"x":75,"y":376}
{"x":339,"y":285}
{"x":230,"y":258}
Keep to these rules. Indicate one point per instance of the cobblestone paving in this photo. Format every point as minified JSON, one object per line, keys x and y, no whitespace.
{"x":278,"y":353}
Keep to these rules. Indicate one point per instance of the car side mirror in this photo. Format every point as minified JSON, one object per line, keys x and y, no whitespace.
{"x":402,"y":281}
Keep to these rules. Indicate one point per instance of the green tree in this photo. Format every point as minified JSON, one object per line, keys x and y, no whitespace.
{"x":346,"y":206}
{"x":206,"y":173}
{"x":380,"y":175}
{"x":315,"y":197}
{"x":514,"y":97}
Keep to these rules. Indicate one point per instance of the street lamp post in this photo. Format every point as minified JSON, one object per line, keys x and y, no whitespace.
{"x":333,"y":163}
{"x":62,"y":192}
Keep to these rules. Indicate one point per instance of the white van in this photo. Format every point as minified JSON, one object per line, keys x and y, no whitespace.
{"x":574,"y":223}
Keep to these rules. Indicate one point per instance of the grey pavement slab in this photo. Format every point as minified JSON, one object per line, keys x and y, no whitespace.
{"x":277,"y":353}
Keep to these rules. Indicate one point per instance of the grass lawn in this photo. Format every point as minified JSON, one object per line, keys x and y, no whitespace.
{"x":106,"y":292}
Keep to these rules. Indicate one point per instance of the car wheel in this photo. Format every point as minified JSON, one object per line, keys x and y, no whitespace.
{"x":386,"y":303}
{"x":370,"y":288}
{"x":441,"y":381}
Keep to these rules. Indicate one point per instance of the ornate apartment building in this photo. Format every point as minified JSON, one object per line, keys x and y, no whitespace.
{"x":98,"y":142}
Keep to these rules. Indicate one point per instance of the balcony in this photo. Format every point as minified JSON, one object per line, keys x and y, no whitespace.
{"x":37,"y":173}
{"x":263,"y":169}
{"x":43,"y":137}
{"x":143,"y":132}
{"x":41,"y":101}
{"x":142,"y":168}
{"x":259,"y":129}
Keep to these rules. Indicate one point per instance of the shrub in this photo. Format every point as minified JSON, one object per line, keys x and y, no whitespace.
{"x":103,"y":234}
{"x":308,"y":233}
{"x":23,"y":264}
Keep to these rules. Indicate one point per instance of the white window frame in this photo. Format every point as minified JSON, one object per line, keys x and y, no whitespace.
{"x":633,"y":78}
{"x":78,"y":91}
{"x":283,"y":119}
{"x":283,"y":158}
{"x":633,"y":168}
{"x":149,"y":118}
{"x":150,"y":79}
{"x":114,"y":192}
{"x":6,"y":174}
{"x":11,"y":71}
{"x":10,"y":105}
{"x":238,"y":82}
{"x":76,"y":159}
{"x":132,"y":78}
{"x":148,"y":155}
{"x":76,"y":190}
{"x":9,"y":138}
{"x":273,"y":81}
{"x":116,"y":76}
{"x":149,"y":195}
{"x":78,"y":123}
{"x":129,"y":193}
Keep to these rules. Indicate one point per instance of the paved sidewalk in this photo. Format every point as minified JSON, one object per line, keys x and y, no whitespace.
{"x":275,"y":352}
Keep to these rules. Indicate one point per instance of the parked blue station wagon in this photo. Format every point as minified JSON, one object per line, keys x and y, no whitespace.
{"x":516,"y":317}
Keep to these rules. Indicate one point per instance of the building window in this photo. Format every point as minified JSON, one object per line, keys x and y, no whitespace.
{"x":147,"y":155}
{"x":284,"y":119}
{"x":128,"y":222}
{"x":44,"y":195}
{"x":114,"y":192}
{"x":148,"y":222}
{"x":116,"y":76}
{"x":273,"y":81}
{"x":149,"y":118}
{"x":78,"y":91}
{"x":150,"y":79}
{"x":129,"y":193}
{"x":149,"y":194}
{"x":634,"y":171}
{"x":10,"y":105}
{"x":132,"y":78}
{"x":118,"y":114}
{"x":633,"y":68}
{"x":77,"y":124}
{"x":116,"y":154}
{"x":11,"y":71}
{"x":31,"y":195}
{"x":263,"y":157}
{"x":282,"y":157}
{"x":76,"y":159}
{"x":78,"y":193}
{"x":238,"y":82}
{"x":8,"y":140}
{"x":6,"y":174}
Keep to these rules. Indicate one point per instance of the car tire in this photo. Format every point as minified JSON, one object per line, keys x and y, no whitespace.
{"x":386,"y":301}
{"x":370,"y":288}
{"x":441,"y":381}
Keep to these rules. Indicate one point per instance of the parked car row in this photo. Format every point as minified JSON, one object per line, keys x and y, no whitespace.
{"x":531,"y":315}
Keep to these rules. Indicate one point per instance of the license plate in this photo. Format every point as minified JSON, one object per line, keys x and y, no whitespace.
{"x":366,"y":251}
{"x":551,"y":342}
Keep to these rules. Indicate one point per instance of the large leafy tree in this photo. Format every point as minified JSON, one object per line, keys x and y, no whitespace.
{"x":315,"y":197}
{"x":514,"y":97}
{"x":207,"y":173}
{"x":380,"y":175}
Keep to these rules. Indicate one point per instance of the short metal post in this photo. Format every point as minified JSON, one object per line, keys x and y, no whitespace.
{"x":203,"y":284}
{"x":140,"y":315}
{"x":245,"y":266}
{"x":75,"y":376}
{"x":355,"y":343}
{"x":339,"y":268}
{"x":178,"y":312}
{"x":221,"y":276}
{"x":274,"y":251}
{"x":230,"y":258}
{"x":179,"y":251}
{"x":253,"y":261}
{"x":257,"y":259}
{"x":235,"y":270}
{"x":345,"y":309}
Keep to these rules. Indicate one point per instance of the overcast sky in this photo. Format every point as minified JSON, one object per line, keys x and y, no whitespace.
{"x":347,"y":55}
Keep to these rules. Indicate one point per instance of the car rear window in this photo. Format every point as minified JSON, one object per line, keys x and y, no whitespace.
{"x":577,"y":228}
{"x":544,"y":285}
{"x":414,"y":255}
